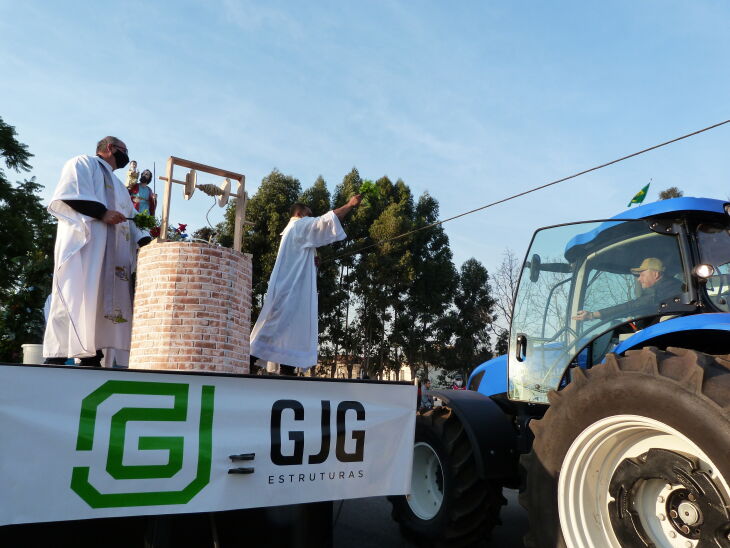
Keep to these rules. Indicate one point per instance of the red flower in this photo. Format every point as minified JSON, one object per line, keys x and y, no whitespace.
{"x":181,"y":227}
{"x":155,"y":232}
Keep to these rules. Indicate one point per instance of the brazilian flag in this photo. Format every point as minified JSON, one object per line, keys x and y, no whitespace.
{"x":639,"y":196}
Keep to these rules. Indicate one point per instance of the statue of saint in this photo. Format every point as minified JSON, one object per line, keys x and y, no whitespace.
{"x":144,"y":200}
{"x":132,"y":174}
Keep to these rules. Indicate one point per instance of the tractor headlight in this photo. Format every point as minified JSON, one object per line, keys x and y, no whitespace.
{"x":703,"y":271}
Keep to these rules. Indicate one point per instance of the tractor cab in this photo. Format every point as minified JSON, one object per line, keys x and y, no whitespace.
{"x":586,"y":287}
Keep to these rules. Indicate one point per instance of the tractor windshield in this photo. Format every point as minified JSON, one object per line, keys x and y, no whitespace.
{"x":714,"y":244}
{"x":580,"y":281}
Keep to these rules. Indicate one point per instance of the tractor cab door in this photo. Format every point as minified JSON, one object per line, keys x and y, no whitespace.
{"x":541,"y":335}
{"x":590,"y":267}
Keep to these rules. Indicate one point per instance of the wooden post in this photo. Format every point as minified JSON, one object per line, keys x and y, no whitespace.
{"x":240,"y":214}
{"x":166,"y":200}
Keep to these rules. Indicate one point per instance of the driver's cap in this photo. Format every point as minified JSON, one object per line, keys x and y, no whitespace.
{"x":650,"y":263}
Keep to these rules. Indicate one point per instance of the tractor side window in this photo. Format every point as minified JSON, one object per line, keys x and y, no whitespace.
{"x":638,"y":276}
{"x":714,"y":243}
{"x":607,"y":289}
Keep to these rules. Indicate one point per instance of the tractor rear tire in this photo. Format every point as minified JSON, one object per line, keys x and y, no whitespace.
{"x":634,"y":453}
{"x":449,"y":504}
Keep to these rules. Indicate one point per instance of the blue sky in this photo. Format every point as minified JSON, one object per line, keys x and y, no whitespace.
{"x":470,"y":101}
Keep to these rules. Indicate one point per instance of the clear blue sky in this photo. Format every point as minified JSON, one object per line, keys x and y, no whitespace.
{"x":471,"y":101}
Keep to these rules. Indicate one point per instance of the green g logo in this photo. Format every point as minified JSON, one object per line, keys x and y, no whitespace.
{"x":173,"y":445}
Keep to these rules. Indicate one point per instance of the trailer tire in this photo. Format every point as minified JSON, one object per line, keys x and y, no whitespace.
{"x":634,"y":453}
{"x":449,"y":505}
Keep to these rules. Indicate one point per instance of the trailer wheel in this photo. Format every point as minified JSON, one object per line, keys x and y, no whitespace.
{"x":634,"y":453}
{"x":449,"y":504}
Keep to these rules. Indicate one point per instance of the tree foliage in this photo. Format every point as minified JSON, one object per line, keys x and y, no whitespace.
{"x":473,"y":317}
{"x":671,"y":192}
{"x":26,"y":251}
{"x":429,"y":295}
{"x":505,"y":287}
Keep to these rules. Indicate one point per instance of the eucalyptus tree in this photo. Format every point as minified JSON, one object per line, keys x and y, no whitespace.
{"x":430,"y":294}
{"x":671,"y":192}
{"x":391,"y":267}
{"x":472,"y":318}
{"x":367,"y":279}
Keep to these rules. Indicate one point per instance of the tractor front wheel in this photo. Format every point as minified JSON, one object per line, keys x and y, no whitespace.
{"x":634,"y":453}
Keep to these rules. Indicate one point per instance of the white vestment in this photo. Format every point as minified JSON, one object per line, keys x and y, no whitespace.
{"x":286,"y":330}
{"x":90,"y":299}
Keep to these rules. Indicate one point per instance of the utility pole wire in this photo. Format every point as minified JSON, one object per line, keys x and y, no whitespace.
{"x":514,"y":196}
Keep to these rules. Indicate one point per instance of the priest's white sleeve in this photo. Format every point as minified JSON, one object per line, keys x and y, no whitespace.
{"x":319,"y":231}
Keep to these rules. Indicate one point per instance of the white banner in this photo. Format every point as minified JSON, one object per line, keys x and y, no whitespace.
{"x":79,"y":443}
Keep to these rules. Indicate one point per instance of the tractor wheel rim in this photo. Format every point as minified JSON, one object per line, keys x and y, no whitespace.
{"x":590,"y":465}
{"x":427,"y":484}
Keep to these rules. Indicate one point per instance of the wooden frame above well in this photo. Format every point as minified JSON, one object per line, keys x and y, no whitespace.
{"x":189,"y":184}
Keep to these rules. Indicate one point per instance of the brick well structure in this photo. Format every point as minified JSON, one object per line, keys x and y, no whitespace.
{"x":192,"y":308}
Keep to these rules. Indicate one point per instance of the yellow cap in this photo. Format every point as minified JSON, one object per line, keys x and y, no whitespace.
{"x":650,"y":263}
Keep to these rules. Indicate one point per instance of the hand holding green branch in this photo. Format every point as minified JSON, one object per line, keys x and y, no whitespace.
{"x":144,"y":221}
{"x":369,"y":190}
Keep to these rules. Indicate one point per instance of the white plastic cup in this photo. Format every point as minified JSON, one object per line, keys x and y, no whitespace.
{"x":32,"y":353}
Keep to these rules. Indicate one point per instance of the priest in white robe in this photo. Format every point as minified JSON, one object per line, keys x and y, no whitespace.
{"x":91,"y":305}
{"x":286,"y":330}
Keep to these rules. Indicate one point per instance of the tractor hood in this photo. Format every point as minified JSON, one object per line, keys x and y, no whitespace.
{"x":696,"y":326}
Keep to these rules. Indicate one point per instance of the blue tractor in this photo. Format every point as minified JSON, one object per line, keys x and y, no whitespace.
{"x":611,"y":410}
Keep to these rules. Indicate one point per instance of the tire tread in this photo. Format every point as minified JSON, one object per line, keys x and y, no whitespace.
{"x":474,"y":509}
{"x":701,"y":375}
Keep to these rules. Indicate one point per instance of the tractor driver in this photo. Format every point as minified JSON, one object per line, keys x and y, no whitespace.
{"x":655,"y":286}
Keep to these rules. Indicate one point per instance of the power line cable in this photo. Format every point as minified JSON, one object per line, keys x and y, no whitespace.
{"x":514,"y":196}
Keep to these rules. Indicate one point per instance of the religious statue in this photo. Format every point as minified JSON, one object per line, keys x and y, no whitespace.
{"x":144,"y":200}
{"x":132,"y":174}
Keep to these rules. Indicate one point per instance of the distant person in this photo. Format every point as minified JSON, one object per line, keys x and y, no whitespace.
{"x":458,"y":383}
{"x":144,"y":200}
{"x":91,"y":306}
{"x":286,"y":330}
{"x":655,"y":287}
{"x":426,"y":402}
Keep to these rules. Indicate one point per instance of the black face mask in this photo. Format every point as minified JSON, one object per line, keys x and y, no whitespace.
{"x":121,"y":158}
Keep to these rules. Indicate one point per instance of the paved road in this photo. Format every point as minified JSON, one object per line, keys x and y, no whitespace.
{"x":366,"y":523}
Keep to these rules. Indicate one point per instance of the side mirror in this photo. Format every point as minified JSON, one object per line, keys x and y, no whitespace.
{"x":535,"y":263}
